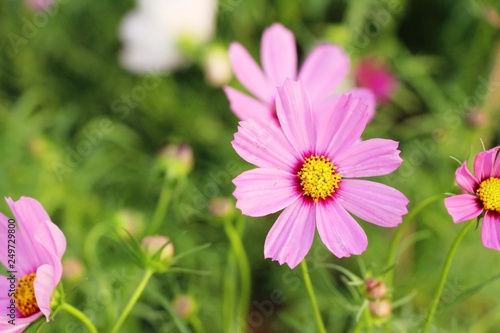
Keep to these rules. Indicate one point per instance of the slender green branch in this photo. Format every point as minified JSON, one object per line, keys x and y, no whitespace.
{"x":161,"y":207}
{"x":244,"y":266}
{"x":368,"y":319}
{"x":444,"y":274}
{"x":312,"y":297}
{"x":80,"y":315}
{"x":132,"y":301}
{"x":391,"y":259}
{"x":359,"y":325}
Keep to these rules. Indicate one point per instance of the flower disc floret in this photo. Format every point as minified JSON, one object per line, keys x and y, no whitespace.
{"x":489,"y":193}
{"x":25,"y":295}
{"x":318,"y":177}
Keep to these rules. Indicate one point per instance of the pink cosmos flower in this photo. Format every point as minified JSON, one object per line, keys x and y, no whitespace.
{"x":482,"y":197}
{"x":306,"y":165}
{"x":375,"y":75}
{"x":322,"y":73}
{"x":34,"y":264}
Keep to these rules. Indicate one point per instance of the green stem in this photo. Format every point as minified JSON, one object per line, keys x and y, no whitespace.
{"x":368,"y":319}
{"x":312,"y":297}
{"x":444,"y":274}
{"x":161,"y":207}
{"x":78,"y":314}
{"x":197,"y":324}
{"x":133,"y":300}
{"x":230,"y":293}
{"x":244,"y":267}
{"x":391,"y":260}
{"x":359,"y":325}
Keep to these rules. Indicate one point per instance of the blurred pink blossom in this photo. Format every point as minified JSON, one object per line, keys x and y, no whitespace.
{"x":37,"y":5}
{"x":375,"y":75}
{"x":322,"y":72}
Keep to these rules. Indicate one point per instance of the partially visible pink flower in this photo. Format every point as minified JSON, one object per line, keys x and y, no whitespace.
{"x":482,"y":197}
{"x":322,"y":72}
{"x":35,"y":264}
{"x":306,"y":166}
{"x":37,"y":5}
{"x":375,"y":75}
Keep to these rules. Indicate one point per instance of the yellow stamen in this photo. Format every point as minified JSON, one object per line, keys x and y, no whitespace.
{"x":25,"y":295}
{"x":489,"y":193}
{"x":318,"y":177}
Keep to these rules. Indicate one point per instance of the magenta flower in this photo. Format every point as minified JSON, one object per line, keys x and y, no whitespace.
{"x":34,"y":264}
{"x":306,"y":166}
{"x":375,"y":75}
{"x":482,"y":197}
{"x":322,"y":73}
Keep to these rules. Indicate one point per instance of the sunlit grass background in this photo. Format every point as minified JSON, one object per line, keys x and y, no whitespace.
{"x":62,"y":87}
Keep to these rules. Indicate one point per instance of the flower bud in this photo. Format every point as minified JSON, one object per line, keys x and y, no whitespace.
{"x":39,"y":5}
{"x":129,"y":222}
{"x":153,"y":244}
{"x":492,"y":16}
{"x":380,"y":308}
{"x":177,"y":160}
{"x":217,"y":68}
{"x":220,"y":207}
{"x":375,"y":289}
{"x":184,"y":306}
{"x":477,"y":118}
{"x":73,"y":269}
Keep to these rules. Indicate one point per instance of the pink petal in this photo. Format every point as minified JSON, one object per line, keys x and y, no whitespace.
{"x":323,"y":71}
{"x":28,"y":214}
{"x":245,"y":107}
{"x":465,"y":179}
{"x":367,"y":97}
{"x":374,"y":157}
{"x":20,"y":323}
{"x":44,"y":287}
{"x":4,"y":240}
{"x":278,"y":54}
{"x":249,"y":73}
{"x":340,"y":127}
{"x":463,"y":207}
{"x":483,"y":164}
{"x":490,"y":231}
{"x":29,"y":211}
{"x":51,"y":237}
{"x":40,"y":240}
{"x":264,"y":145}
{"x":295,"y":115}
{"x":292,"y":234}
{"x":5,"y":327}
{"x":341,"y":234}
{"x":373,"y":202}
{"x":4,"y":297}
{"x":496,"y":167}
{"x":261,"y":192}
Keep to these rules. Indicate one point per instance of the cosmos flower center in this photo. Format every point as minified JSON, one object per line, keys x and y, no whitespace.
{"x":489,"y":193}
{"x":25,"y":295}
{"x":318,"y":177}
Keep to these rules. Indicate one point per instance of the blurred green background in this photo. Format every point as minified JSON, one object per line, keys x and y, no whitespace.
{"x":60,"y":88}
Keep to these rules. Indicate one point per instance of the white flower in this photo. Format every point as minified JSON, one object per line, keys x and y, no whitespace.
{"x":152,"y":32}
